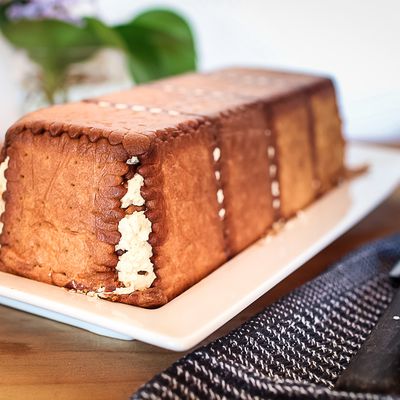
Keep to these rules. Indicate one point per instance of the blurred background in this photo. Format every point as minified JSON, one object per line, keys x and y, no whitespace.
{"x":356,"y":42}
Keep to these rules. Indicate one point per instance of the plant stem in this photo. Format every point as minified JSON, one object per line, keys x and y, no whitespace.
{"x":52,"y":82}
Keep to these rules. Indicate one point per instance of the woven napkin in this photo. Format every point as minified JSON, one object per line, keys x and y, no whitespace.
{"x":297,"y":347}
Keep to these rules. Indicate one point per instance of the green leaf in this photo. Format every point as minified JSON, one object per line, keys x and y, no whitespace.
{"x":159,"y":43}
{"x":54,"y":45}
{"x":105,"y":34}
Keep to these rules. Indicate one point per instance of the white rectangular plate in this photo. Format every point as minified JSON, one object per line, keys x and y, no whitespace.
{"x":195,"y":314}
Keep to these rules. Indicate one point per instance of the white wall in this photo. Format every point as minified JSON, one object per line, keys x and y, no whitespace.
{"x":9,"y":89}
{"x":355,"y":41}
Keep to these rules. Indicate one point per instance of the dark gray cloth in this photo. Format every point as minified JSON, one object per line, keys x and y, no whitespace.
{"x":297,"y":347}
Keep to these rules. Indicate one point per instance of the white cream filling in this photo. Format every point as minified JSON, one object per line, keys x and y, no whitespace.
{"x":3,"y":185}
{"x":132,"y":161}
{"x":135,"y":269}
{"x":133,"y":196}
{"x":220,"y":192}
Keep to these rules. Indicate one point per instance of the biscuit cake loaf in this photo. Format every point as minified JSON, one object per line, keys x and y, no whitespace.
{"x":140,"y":194}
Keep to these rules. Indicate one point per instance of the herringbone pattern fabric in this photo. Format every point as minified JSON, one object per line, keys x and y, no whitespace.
{"x":297,"y":347}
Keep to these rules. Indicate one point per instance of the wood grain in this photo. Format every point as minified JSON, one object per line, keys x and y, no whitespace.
{"x":42,"y":359}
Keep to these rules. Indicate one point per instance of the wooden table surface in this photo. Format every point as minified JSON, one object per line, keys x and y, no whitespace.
{"x":42,"y":359}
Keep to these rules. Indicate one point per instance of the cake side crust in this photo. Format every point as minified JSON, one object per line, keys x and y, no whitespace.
{"x":291,"y":126}
{"x":193,"y":243}
{"x":62,"y":210}
{"x":245,"y":171}
{"x":329,"y":142}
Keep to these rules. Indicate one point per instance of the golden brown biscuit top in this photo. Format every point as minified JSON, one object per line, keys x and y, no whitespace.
{"x":135,"y":117}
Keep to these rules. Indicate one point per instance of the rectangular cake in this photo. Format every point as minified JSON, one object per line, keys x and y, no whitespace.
{"x":138,"y":195}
